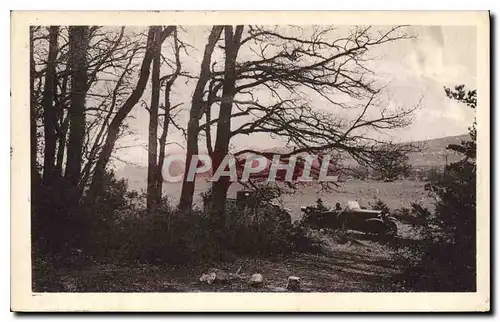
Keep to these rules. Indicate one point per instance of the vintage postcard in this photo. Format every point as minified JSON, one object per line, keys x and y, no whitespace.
{"x":250,"y":161}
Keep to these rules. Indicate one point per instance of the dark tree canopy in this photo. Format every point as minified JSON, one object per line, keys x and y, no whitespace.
{"x":453,"y":259}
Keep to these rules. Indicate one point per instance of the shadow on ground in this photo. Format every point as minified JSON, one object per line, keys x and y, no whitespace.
{"x":364,"y":266}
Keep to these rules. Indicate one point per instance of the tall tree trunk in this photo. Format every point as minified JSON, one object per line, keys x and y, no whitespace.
{"x":63,"y":126}
{"x":221,"y":148}
{"x":48,"y":107}
{"x":114,"y":126}
{"x":212,"y":94}
{"x":166,"y":120}
{"x":163,"y":142}
{"x":208,"y":133}
{"x":35,"y":176}
{"x":213,"y":89}
{"x":153,"y":200}
{"x":61,"y":144}
{"x":78,"y":40}
{"x":195,"y":114}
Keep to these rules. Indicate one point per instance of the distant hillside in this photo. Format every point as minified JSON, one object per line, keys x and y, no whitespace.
{"x":434,"y":151}
{"x":434,"y":154}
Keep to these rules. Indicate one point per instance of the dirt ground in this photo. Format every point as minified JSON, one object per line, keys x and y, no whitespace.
{"x":360,"y":265}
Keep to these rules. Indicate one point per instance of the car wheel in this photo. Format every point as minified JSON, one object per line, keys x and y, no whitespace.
{"x":374,"y":226}
{"x":391,"y":229}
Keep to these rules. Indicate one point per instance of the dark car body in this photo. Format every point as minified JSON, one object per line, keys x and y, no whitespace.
{"x":353,"y":218}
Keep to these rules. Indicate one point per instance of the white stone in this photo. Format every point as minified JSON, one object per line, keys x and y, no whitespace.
{"x":256,"y":280}
{"x":208,"y":278}
{"x":214,"y":275}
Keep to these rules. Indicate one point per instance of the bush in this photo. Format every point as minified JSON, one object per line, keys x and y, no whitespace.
{"x":304,"y":240}
{"x":268,"y":231}
{"x":418,"y":216}
{"x":163,"y":236}
{"x":116,"y":227}
{"x":172,"y":236}
{"x":260,"y":226}
{"x":104,"y":213}
{"x":169,"y":235}
{"x":61,"y":225}
{"x":437,"y":270}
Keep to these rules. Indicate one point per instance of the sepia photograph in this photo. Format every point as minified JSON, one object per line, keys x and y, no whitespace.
{"x":338,"y":155}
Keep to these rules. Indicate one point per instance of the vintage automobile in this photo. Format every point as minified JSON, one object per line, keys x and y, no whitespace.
{"x":351,"y":217}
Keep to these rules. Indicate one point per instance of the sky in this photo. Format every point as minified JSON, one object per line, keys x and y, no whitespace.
{"x":415,"y":70}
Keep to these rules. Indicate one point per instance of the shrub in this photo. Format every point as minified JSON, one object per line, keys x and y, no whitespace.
{"x":304,"y":240}
{"x":116,"y":227}
{"x":165,"y":236}
{"x":265,"y":230}
{"x":169,"y":235}
{"x":260,"y":226}
{"x":380,"y":205}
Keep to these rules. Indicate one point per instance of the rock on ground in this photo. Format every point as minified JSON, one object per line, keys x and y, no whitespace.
{"x":293,"y":283}
{"x":256,"y":280}
{"x":214,"y":275}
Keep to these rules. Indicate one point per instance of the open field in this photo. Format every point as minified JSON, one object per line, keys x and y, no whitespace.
{"x":395,"y":194}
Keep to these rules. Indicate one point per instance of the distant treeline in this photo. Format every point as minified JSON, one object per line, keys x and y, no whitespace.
{"x":419,"y":173}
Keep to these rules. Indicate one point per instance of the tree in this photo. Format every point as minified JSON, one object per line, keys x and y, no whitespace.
{"x":79,"y":77}
{"x":152,"y":196}
{"x":391,"y":161}
{"x":450,"y":264}
{"x":78,"y":41}
{"x":456,"y":189}
{"x":82,"y":90}
{"x":35,"y":175}
{"x":114,"y":127}
{"x":112,"y":64}
{"x":48,"y":107}
{"x":232,"y":44}
{"x":276,"y":77}
{"x":196,"y":112}
{"x":157,"y":145}
{"x":168,"y":115}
